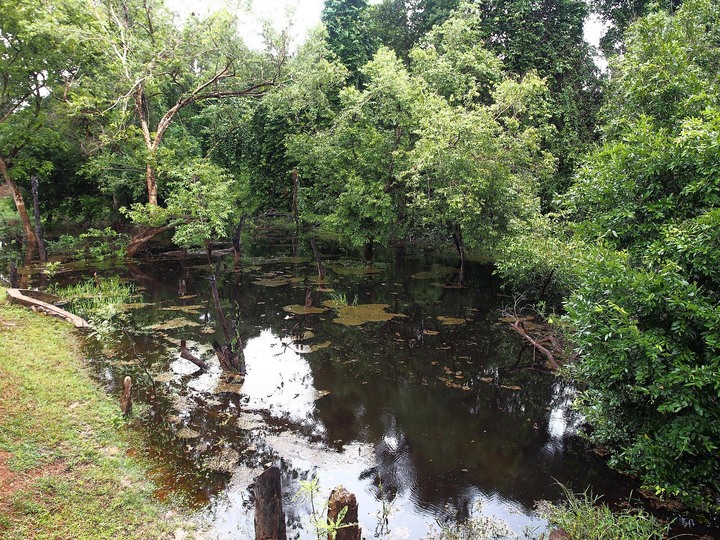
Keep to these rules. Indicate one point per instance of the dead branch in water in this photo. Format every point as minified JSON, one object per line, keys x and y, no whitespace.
{"x":539,"y":334}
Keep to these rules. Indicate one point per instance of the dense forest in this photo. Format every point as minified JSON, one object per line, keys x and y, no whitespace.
{"x":481,"y":125}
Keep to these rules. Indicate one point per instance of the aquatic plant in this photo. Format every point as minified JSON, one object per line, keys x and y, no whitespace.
{"x":583,"y":516}
{"x":99,"y":301}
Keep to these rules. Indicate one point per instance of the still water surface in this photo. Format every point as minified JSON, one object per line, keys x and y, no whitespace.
{"x":430,"y":415}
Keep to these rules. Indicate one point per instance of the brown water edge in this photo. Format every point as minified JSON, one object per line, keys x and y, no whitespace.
{"x":429,"y":417}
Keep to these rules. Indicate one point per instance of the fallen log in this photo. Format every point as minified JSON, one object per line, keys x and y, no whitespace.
{"x":22,"y":297}
{"x":518,"y":327}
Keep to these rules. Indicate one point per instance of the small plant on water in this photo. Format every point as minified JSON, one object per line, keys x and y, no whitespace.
{"x":99,"y":301}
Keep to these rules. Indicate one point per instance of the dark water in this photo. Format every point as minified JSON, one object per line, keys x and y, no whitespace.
{"x":428,"y":417}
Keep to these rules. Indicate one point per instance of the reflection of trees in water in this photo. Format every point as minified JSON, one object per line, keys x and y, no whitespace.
{"x":442,"y":447}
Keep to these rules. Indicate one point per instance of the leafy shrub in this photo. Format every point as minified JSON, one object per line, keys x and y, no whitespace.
{"x":93,"y":244}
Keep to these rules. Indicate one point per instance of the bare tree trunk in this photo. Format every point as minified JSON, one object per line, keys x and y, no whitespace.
{"x":142,"y":238}
{"x":126,"y":399}
{"x":28,"y":229}
{"x":38,"y":221}
{"x":187,"y":355}
{"x":341,"y":498}
{"x":460,"y":246}
{"x":236,"y":241}
{"x":230,"y":360}
{"x":296,"y":187}
{"x":269,"y":515}
{"x":320,"y":268}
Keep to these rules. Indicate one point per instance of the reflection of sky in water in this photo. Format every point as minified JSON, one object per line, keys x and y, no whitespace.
{"x":279,"y":380}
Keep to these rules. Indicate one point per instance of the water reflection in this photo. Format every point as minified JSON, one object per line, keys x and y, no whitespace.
{"x":421,"y":419}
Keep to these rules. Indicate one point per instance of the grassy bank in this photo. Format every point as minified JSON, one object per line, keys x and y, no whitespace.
{"x":64,"y":465}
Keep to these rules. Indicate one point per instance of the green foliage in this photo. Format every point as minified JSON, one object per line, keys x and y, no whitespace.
{"x":94,"y":244}
{"x":100,"y":302}
{"x":645,"y":306}
{"x":584,"y":517}
{"x":348,"y":36}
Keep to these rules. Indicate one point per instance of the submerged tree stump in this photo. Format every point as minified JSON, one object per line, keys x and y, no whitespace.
{"x":126,"y":399}
{"x":341,"y":498}
{"x":269,"y":515}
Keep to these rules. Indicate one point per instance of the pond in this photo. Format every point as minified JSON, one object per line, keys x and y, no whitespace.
{"x":399,"y":383}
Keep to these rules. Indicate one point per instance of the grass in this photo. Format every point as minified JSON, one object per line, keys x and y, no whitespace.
{"x":64,"y":465}
{"x":583,"y":517}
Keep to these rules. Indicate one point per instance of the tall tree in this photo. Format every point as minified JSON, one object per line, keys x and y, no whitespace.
{"x":41,"y":57}
{"x":157,"y":69}
{"x":645,"y":309}
{"x":547,"y":36}
{"x":399,"y":24}
{"x":348,"y":36}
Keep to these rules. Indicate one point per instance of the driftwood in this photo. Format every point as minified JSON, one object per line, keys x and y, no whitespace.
{"x":269,"y":515}
{"x":126,"y":398}
{"x":539,"y":343}
{"x":22,"y":297}
{"x":342,"y":500}
{"x":187,"y":355}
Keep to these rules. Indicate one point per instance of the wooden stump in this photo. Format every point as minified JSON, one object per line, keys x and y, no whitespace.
{"x":269,"y":515}
{"x":341,"y":498}
{"x":126,"y":399}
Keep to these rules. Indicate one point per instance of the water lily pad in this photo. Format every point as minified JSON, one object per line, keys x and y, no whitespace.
{"x":164,"y":377}
{"x":297,"y":309}
{"x":305,"y":349}
{"x":360,"y":314}
{"x":136,"y":305}
{"x":451,"y":320}
{"x":174,"y":323}
{"x":278,"y":281}
{"x":430,"y":332}
{"x":344,"y":270}
{"x":187,"y":433}
{"x":435,"y":272}
{"x":224,"y":461}
{"x":184,"y":309}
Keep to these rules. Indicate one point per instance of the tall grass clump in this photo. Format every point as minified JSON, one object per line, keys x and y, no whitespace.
{"x":583,"y":517}
{"x":100,"y":301}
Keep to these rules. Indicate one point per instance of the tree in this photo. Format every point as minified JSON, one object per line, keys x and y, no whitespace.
{"x":156,"y":70}
{"x":41,"y":59}
{"x":620,"y":14}
{"x":400,"y":24}
{"x":547,"y":36}
{"x":644,"y":310}
{"x":348,"y":36}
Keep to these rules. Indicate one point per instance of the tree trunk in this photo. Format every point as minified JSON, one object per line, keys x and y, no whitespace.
{"x":320,"y":268}
{"x":269,"y":515}
{"x":296,"y":187}
{"x":187,"y":355}
{"x":126,"y":399}
{"x":30,"y":237}
{"x":142,"y":238}
{"x":460,"y":246}
{"x":341,"y":498}
{"x":151,"y":184}
{"x":38,"y":221}
{"x":230,"y":360}
{"x":237,"y":245}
